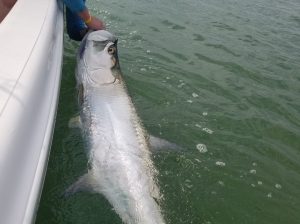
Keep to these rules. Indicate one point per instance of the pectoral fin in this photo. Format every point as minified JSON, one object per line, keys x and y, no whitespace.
{"x":75,"y":122}
{"x":162,"y":144}
{"x":84,"y":183}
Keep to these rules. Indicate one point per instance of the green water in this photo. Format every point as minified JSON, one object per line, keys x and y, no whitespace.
{"x":219,"y":78}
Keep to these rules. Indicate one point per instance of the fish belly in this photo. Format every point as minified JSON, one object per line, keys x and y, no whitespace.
{"x":119,"y":158}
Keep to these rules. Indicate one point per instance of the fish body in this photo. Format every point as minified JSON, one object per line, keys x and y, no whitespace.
{"x":120,"y":165}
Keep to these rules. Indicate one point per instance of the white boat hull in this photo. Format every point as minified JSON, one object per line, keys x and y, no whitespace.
{"x":31,"y":47}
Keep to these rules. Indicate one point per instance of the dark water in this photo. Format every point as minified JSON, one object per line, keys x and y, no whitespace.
{"x":219,"y":78}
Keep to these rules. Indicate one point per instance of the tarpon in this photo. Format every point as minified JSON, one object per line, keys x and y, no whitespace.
{"x":120,"y":165}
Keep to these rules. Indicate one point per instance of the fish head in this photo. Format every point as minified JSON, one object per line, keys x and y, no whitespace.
{"x":99,"y":54}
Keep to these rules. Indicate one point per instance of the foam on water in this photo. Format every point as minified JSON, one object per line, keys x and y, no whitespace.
{"x":201,"y":148}
{"x":220,"y":163}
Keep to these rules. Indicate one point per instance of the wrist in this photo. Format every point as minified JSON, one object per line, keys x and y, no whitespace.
{"x":88,"y":20}
{"x":85,"y":16}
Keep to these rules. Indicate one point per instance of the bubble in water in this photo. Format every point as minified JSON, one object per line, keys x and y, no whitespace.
{"x":198,"y":160}
{"x":195,"y":95}
{"x":220,"y":163}
{"x":269,"y":195}
{"x":254,"y":164}
{"x":206,"y":222}
{"x":221,"y":183}
{"x":148,"y":51}
{"x":143,"y":69}
{"x":181,"y":85}
{"x":252,"y":171}
{"x":278,"y":186}
{"x":133,"y":32}
{"x":198,"y":125}
{"x":188,"y":183}
{"x":204,"y":113}
{"x":252,"y":185}
{"x":201,"y":148}
{"x":259,"y":182}
{"x":206,"y":168}
{"x":207,"y":130}
{"x":189,"y":101}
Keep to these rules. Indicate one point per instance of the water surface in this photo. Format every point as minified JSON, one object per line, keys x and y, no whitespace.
{"x":219,"y":78}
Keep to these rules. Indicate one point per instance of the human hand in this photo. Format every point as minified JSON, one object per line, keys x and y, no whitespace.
{"x":96,"y":24}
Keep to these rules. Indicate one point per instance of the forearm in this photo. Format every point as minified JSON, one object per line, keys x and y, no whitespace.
{"x":78,"y":7}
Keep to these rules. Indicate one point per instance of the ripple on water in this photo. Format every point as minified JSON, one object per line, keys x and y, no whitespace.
{"x":236,"y":66}
{"x":223,"y":26}
{"x":155,"y":29}
{"x":198,"y":37}
{"x":172,"y":25}
{"x":222,"y":47}
{"x":176,"y":54}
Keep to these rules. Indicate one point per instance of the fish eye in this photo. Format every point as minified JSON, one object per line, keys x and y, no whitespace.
{"x":111,"y":50}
